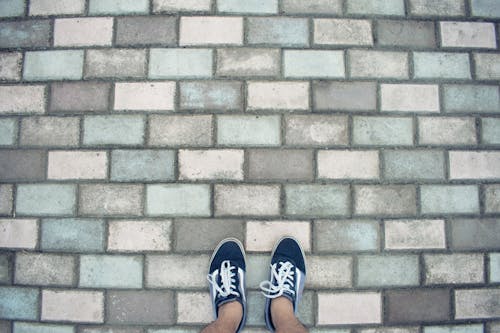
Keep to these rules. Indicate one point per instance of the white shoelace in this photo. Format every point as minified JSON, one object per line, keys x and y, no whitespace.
{"x":283,"y":280}
{"x":228,"y":283}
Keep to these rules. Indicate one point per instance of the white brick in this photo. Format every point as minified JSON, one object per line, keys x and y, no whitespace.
{"x":144,"y":96}
{"x":77,"y":165}
{"x":248,"y":62}
{"x":477,"y":303}
{"x":73,"y":306}
{"x":249,"y":200}
{"x":414,"y":234}
{"x":194,"y":308}
{"x":18,"y":233}
{"x":181,"y":5}
{"x":329,"y":272}
{"x":349,"y":308}
{"x":410,"y":97}
{"x":468,"y":34}
{"x":341,"y":164}
{"x":211,"y":164}
{"x":278,"y":95}
{"x":176,"y":271}
{"x":204,"y":30}
{"x":59,"y":7}
{"x":447,"y":130}
{"x":22,"y":99}
{"x":135,"y":236}
{"x":378,"y":64}
{"x":263,"y":235}
{"x":474,"y":165}
{"x":88,"y":31}
{"x":10,"y":65}
{"x":342,"y":32}
{"x":454,"y":268}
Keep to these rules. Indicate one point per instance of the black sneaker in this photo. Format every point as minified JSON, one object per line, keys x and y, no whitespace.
{"x":227,"y":276}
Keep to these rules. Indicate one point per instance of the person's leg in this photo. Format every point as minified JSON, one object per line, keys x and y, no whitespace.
{"x":284,"y":318}
{"x":230,"y":315}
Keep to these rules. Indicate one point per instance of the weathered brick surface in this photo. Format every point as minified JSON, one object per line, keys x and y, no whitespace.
{"x":248,"y":62}
{"x":487,"y":66}
{"x":385,"y":200}
{"x":10,"y":66}
{"x":278,"y":95}
{"x":316,"y":130}
{"x":414,"y":164}
{"x":146,"y":30}
{"x":73,"y":306}
{"x":180,"y":63}
{"x":454,"y":268}
{"x":6,"y":199}
{"x":18,"y":233}
{"x":115,"y":63}
{"x":341,"y":164}
{"x":33,"y":33}
{"x":414,"y":234}
{"x":75,"y":32}
{"x":216,"y":30}
{"x":49,"y":131}
{"x":346,"y":235}
{"x":447,"y":131}
{"x":342,"y":32}
{"x":384,"y":131}
{"x":22,"y":99}
{"x":422,"y":305}
{"x":53,"y":65}
{"x":317,"y":200}
{"x":349,"y":308}
{"x":349,"y":96}
{"x":409,"y":98}
{"x":77,"y":165}
{"x":44,"y":269}
{"x":8,"y":131}
{"x":280,"y":164}
{"x":46,"y":199}
{"x":283,"y":31}
{"x":125,"y":130}
{"x":262,"y":236}
{"x":406,"y":33}
{"x":441,"y":65}
{"x":474,"y":165}
{"x":471,"y":98}
{"x":450,"y":199}
{"x":378,"y":64}
{"x":19,"y":303}
{"x":252,"y":200}
{"x":477,"y":303}
{"x":471,"y":234}
{"x":394,"y":270}
{"x":178,"y":200}
{"x":146,"y":165}
{"x":492,"y":198}
{"x":211,"y":164}
{"x":211,"y":95}
{"x":194,"y":131}
{"x":110,"y":199}
{"x":176,"y":271}
{"x":79,"y":96}
{"x":439,"y":7}
{"x":468,"y":34}
{"x":142,"y":235}
{"x":22,"y":165}
{"x":72,"y":235}
{"x":63,"y":7}
{"x":106,"y":271}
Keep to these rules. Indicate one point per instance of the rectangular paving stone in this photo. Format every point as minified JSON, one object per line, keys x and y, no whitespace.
{"x":449,"y":199}
{"x":280,"y":164}
{"x":437,"y":7}
{"x":20,"y":327}
{"x":342,"y":164}
{"x":181,"y":5}
{"x":413,"y":164}
{"x":329,"y":271}
{"x":494,"y":327}
{"x":346,"y":235}
{"x":289,"y":95}
{"x":250,"y":200}
{"x":472,"y":234}
{"x":53,"y":65}
{"x":248,"y":7}
{"x":258,"y":264}
{"x":409,"y":97}
{"x":32,"y":33}
{"x":12,"y":8}
{"x":382,"y":271}
{"x":110,"y":271}
{"x":384,"y":131}
{"x":44,"y":269}
{"x":441,"y":65}
{"x":414,"y":234}
{"x":492,"y":198}
{"x":474,"y":165}
{"x":416,"y":305}
{"x":137,"y":236}
{"x":317,"y":200}
{"x":262,"y":235}
{"x":313,"y":63}
{"x":115,"y":63}
{"x":193,"y":308}
{"x":79,"y":306}
{"x":72,"y":235}
{"x":22,"y":99}
{"x":180,"y":130}
{"x":118,"y":7}
{"x":50,"y":131}
{"x":348,"y":96}
{"x":79,"y":96}
{"x":19,"y":303}
{"x":494,"y":267}
{"x":248,"y":62}
{"x":5,"y":326}
{"x":447,"y":130}
{"x":77,"y":165}
{"x":110,"y":329}
{"x":468,"y":34}
{"x":378,"y":64}
{"x":218,"y":95}
{"x":283,"y":31}
{"x":45,"y":199}
{"x":144,"y":96}
{"x":333,"y":7}
{"x":471,"y":98}
{"x":87,"y":31}
{"x":485,"y":8}
{"x":477,"y":328}
{"x":180,"y":63}
{"x":477,"y":303}
{"x":454,"y":268}
{"x":113,"y":130}
{"x":248,"y":130}
{"x":142,"y":165}
{"x":415,"y":34}
{"x":217,"y":30}
{"x":176,"y":271}
{"x":342,"y":32}
{"x":178,"y":200}
{"x":110,"y":199}
{"x":316,"y":130}
{"x":140,"y":307}
{"x":22,"y":165}
{"x":486,"y":66}
{"x":62,"y":7}
{"x":10,"y":66}
{"x":18,"y":233}
{"x":349,"y":308}
{"x":387,"y":200}
{"x":6,"y":199}
{"x":405,"y":329}
{"x":146,"y":30}
{"x":376,"y":7}
{"x":211,"y":164}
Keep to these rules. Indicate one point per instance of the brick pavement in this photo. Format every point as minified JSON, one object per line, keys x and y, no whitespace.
{"x":136,"y":134}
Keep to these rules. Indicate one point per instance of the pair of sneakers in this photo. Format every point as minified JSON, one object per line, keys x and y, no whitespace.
{"x":227,"y":276}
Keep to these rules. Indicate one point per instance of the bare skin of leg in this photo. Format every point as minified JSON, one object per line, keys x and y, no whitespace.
{"x":284,"y":319}
{"x":229,"y":318}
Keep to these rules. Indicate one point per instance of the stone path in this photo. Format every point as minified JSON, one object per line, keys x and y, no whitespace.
{"x":136,"y":134}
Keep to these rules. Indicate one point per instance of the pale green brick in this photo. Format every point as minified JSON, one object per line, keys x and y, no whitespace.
{"x":346,"y":235}
{"x":180,"y":63}
{"x":20,"y":327}
{"x":8,"y":131}
{"x":212,"y":95}
{"x":382,"y":131}
{"x":18,"y":303}
{"x":5,"y":270}
{"x":178,"y":200}
{"x":494,"y":267}
{"x":106,"y":271}
{"x":490,"y":130}
{"x":142,"y":165}
{"x":449,"y":199}
{"x":248,"y":130}
{"x":441,"y":65}
{"x":486,"y":8}
{"x":471,"y":98}
{"x":45,"y":199}
{"x":317,"y":200}
{"x":413,"y":164}
{"x":286,"y":31}
{"x":380,"y":271}
{"x":117,"y":130}
{"x":118,"y":7}
{"x":53,"y":65}
{"x":476,"y":328}
{"x":11,"y":8}
{"x":376,"y":7}
{"x":314,"y":63}
{"x":73,"y":235}
{"x":248,"y":6}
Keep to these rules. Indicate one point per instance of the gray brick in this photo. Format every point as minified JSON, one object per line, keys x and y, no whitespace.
{"x":26,"y":231}
{"x":471,"y":98}
{"x":110,"y":329}
{"x":378,"y":64}
{"x":248,"y":130}
{"x":115,"y":63}
{"x":253,"y":200}
{"x":485,"y":8}
{"x":50,"y":131}
{"x":284,"y":31}
{"x":312,"y":6}
{"x":180,"y":130}
{"x":346,"y":235}
{"x":66,"y":305}
{"x":178,"y":200}
{"x":380,"y":271}
{"x":316,"y":130}
{"x":409,"y":97}
{"x":280,"y":164}
{"x":447,"y":130}
{"x":180,"y":63}
{"x":494,"y":267}
{"x":146,"y":30}
{"x":467,"y":34}
{"x":317,"y":200}
{"x":22,"y":99}
{"x":72,"y":235}
{"x":414,"y":234}
{"x":386,"y":200}
{"x":22,"y":165}
{"x":5,"y":326}
{"x":44,"y":269}
{"x":349,"y":96}
{"x":101,"y":7}
{"x":248,"y":62}
{"x":494,"y":327}
{"x":342,"y":32}
{"x":217,"y":95}
{"x":406,"y":329}
{"x":207,"y":232}
{"x":8,"y":131}
{"x":376,"y":7}
{"x":33,"y":33}
{"x":110,"y":271}
{"x":225,"y":164}
{"x":5,"y":269}
{"x":413,"y":34}
{"x":79,"y":96}
{"x":486,"y":65}
{"x":6,"y":198}
{"x":449,"y":199}
{"x":422,"y":305}
{"x":181,"y":5}
{"x":19,"y":303}
{"x":45,"y":199}
{"x":176,"y":271}
{"x":477,"y":303}
{"x":492,"y":198}
{"x":437,"y":7}
{"x":454,"y":268}
{"x":248,"y":7}
{"x":413,"y":164}
{"x":475,"y":234}
{"x":473,"y":328}
{"x":110,"y":199}
{"x":145,"y":165}
{"x":382,"y":131}
{"x":12,"y":8}
{"x":10,"y":66}
{"x":441,"y":65}
{"x":113,"y":130}
{"x":63,"y":7}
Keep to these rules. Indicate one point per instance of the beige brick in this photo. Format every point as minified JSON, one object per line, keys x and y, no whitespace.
{"x":477,"y":303}
{"x":263,"y":235}
{"x":316,"y":130}
{"x":189,"y":130}
{"x":248,"y":62}
{"x":6,"y":199}
{"x":44,"y":269}
{"x":144,"y":96}
{"x":181,"y":5}
{"x":251,"y":200}
{"x":468,"y":34}
{"x":10,"y":65}
{"x":18,"y":233}
{"x":378,"y":64}
{"x":211,"y":164}
{"x":342,"y":32}
{"x":447,"y":130}
{"x":341,"y":164}
{"x":115,"y":63}
{"x":88,"y":31}
{"x":211,"y":30}
{"x":111,"y":199}
{"x":410,"y":97}
{"x":474,"y":165}
{"x":349,"y":308}
{"x":385,"y":200}
{"x":176,"y":271}
{"x":329,"y":272}
{"x":73,"y":306}
{"x":414,"y":234}
{"x":454,"y":268}
{"x":22,"y":99}
{"x":287,"y":95}
{"x":135,"y":236}
{"x":487,"y":66}
{"x":194,"y":308}
{"x":492,"y":198}
{"x":77,"y":165}
{"x":60,"y":7}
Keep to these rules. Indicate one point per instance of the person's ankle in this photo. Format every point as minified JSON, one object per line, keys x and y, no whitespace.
{"x":231,"y":314}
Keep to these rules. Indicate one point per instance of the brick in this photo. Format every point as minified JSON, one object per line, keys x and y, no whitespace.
{"x":107,"y":271}
{"x":477,"y":303}
{"x":494,"y":327}
{"x":207,"y":232}
{"x":77,"y":165}
{"x":345,"y":235}
{"x":189,"y":271}
{"x":342,"y":164}
{"x":5,"y":326}
{"x":449,"y":199}
{"x":143,"y":235}
{"x":454,"y":268}
{"x":217,"y":30}
{"x":10,"y":66}
{"x":32,"y":33}
{"x":472,"y":234}
{"x":333,"y":7}
{"x":474,"y":165}
{"x":44,"y":269}
{"x":486,"y":66}
{"x":283,"y":31}
{"x":145,"y":96}
{"x":80,"y":306}
{"x":409,"y":97}
{"x":72,"y":235}
{"x":146,"y":30}
{"x":376,"y":7}
{"x":142,"y":165}
{"x":417,"y":305}
{"x":288,"y":95}
{"x":317,"y":200}
{"x":387,"y":200}
{"x":140,"y":307}
{"x":194,"y":308}
{"x":250,"y":200}
{"x":178,"y":200}
{"x":384,"y":131}
{"x":454,"y":329}
{"x":113,"y":130}
{"x":181,"y":5}
{"x":414,"y":234}
{"x":248,"y":7}
{"x":18,"y":233}
{"x":50,"y":131}
{"x":110,"y":199}
{"x":485,"y":8}
{"x":19,"y":303}
{"x":180,"y":130}
{"x":115,"y":63}
{"x":378,"y":64}
{"x":280,"y":164}
{"x":22,"y":99}
{"x":471,"y":98}
{"x":220,"y":95}
{"x":492,"y":198}
{"x":314,"y":63}
{"x":258,"y":264}
{"x":441,"y":65}
{"x":6,"y":198}
{"x":62,"y":7}
{"x":316,"y":130}
{"x":437,"y":8}
{"x":447,"y":131}
{"x":22,"y":165}
{"x":342,"y":32}
{"x":415,"y":34}
{"x":45,"y":199}
{"x":382,"y":271}
{"x":79,"y":96}
{"x":20,"y":327}
{"x":180,"y":63}
{"x":349,"y":308}
{"x":12,"y":8}
{"x":262,"y":235}
{"x":414,"y":164}
{"x":494,"y":267}
{"x":211,"y":164}
{"x":468,"y":34}
{"x":88,"y":31}
{"x":405,"y":329}
{"x":107,"y":329}
{"x":53,"y":65}
{"x":118,"y":7}
{"x":248,"y":130}
{"x":348,"y":96}
{"x":248,"y":62}
{"x":329,"y":271}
